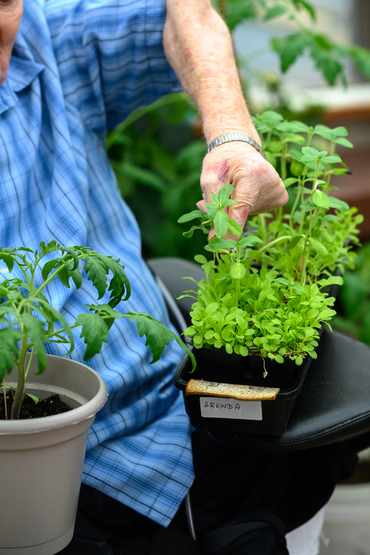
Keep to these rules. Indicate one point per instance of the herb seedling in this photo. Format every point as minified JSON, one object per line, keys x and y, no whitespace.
{"x":268,"y":292}
{"x":28,"y":317}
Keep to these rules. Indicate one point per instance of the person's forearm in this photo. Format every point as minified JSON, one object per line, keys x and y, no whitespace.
{"x":198,"y":46}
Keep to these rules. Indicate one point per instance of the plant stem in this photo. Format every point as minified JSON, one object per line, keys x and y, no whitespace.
{"x":283,"y":162}
{"x":263,"y":230}
{"x":29,"y":362}
{"x":275,"y":241}
{"x":300,"y":187}
{"x":313,"y":219}
{"x":327,"y":175}
{"x":21,"y":378}
{"x":5,"y":403}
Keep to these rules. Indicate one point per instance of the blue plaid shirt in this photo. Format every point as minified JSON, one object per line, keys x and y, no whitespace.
{"x":79,"y":67}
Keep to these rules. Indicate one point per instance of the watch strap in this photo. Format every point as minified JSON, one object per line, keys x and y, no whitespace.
{"x":234,"y":136}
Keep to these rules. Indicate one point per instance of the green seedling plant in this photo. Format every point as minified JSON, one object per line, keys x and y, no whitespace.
{"x":28,"y":320}
{"x":266,"y":290}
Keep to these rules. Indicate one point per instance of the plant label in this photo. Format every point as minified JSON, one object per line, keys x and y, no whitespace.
{"x":219,"y":407}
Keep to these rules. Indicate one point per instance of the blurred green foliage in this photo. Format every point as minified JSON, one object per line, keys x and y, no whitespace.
{"x":354,"y":299}
{"x":157,"y":160}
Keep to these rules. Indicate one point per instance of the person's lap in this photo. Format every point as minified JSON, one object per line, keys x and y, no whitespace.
{"x":232,"y":485}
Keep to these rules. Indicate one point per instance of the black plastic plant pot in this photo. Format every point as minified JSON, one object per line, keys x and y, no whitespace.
{"x":223,"y":413}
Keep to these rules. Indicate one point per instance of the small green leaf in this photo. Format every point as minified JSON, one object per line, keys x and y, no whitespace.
{"x":244,"y":351}
{"x":321,"y":199}
{"x":188,"y":234}
{"x":294,"y":138}
{"x":293,"y":127}
{"x":94,"y":332}
{"x":290,"y":48}
{"x":220,"y":222}
{"x":249,"y":241}
{"x":327,"y":313}
{"x":73,"y":252}
{"x":35,"y":399}
{"x":338,"y":204}
{"x":190,"y":216}
{"x":317,"y":246}
{"x":224,"y":194}
{"x":216,"y":244}
{"x":307,"y":206}
{"x":97,"y":273}
{"x":273,"y":12}
{"x":237,"y":270}
{"x":295,"y":240}
{"x":310,"y":151}
{"x":290,"y":181}
{"x":211,"y":308}
{"x":48,"y":267}
{"x":344,"y":142}
{"x":295,"y":155}
{"x":9,"y":261}
{"x":229,"y":349}
{"x":200,"y":259}
{"x":8,"y":350}
{"x":158,"y":336}
{"x":331,"y":160}
{"x":234,"y":228}
{"x":340,"y":131}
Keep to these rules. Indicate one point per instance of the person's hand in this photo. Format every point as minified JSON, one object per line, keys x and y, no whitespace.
{"x":257,"y":186}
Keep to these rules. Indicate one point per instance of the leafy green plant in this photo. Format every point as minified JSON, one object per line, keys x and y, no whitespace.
{"x":28,"y":317}
{"x":328,"y":55}
{"x":268,"y":292}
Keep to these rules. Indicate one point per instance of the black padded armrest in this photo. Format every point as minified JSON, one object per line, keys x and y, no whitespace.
{"x":334,"y":404}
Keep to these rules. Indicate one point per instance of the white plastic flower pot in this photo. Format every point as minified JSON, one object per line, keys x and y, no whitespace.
{"x":41,"y":460}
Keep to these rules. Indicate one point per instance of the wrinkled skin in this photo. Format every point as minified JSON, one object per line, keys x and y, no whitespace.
{"x":257,"y":186}
{"x":10,"y":19}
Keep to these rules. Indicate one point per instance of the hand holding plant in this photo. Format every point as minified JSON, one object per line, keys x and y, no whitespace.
{"x":257,"y":186}
{"x":268,"y":292}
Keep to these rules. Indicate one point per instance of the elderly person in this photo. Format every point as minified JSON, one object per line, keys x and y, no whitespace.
{"x":69,"y":71}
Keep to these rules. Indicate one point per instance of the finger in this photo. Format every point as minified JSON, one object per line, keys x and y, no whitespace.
{"x":210,"y":184}
{"x":239,"y":213}
{"x":201,"y":204}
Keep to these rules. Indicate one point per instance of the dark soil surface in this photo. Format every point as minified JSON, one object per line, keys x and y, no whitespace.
{"x":47,"y":407}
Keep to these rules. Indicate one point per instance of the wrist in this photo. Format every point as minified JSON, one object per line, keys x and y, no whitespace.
{"x":235,"y":136}
{"x":229,"y":125}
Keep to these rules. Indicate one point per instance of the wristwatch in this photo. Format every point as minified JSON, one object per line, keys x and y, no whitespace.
{"x":234,"y":136}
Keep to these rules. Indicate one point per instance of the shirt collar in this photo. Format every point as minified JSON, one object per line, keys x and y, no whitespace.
{"x":22,"y":72}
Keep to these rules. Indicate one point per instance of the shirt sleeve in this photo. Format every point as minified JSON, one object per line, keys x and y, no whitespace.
{"x":110,"y":56}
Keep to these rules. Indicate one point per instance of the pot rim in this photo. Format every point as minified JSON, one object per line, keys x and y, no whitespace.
{"x":70,"y":418}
